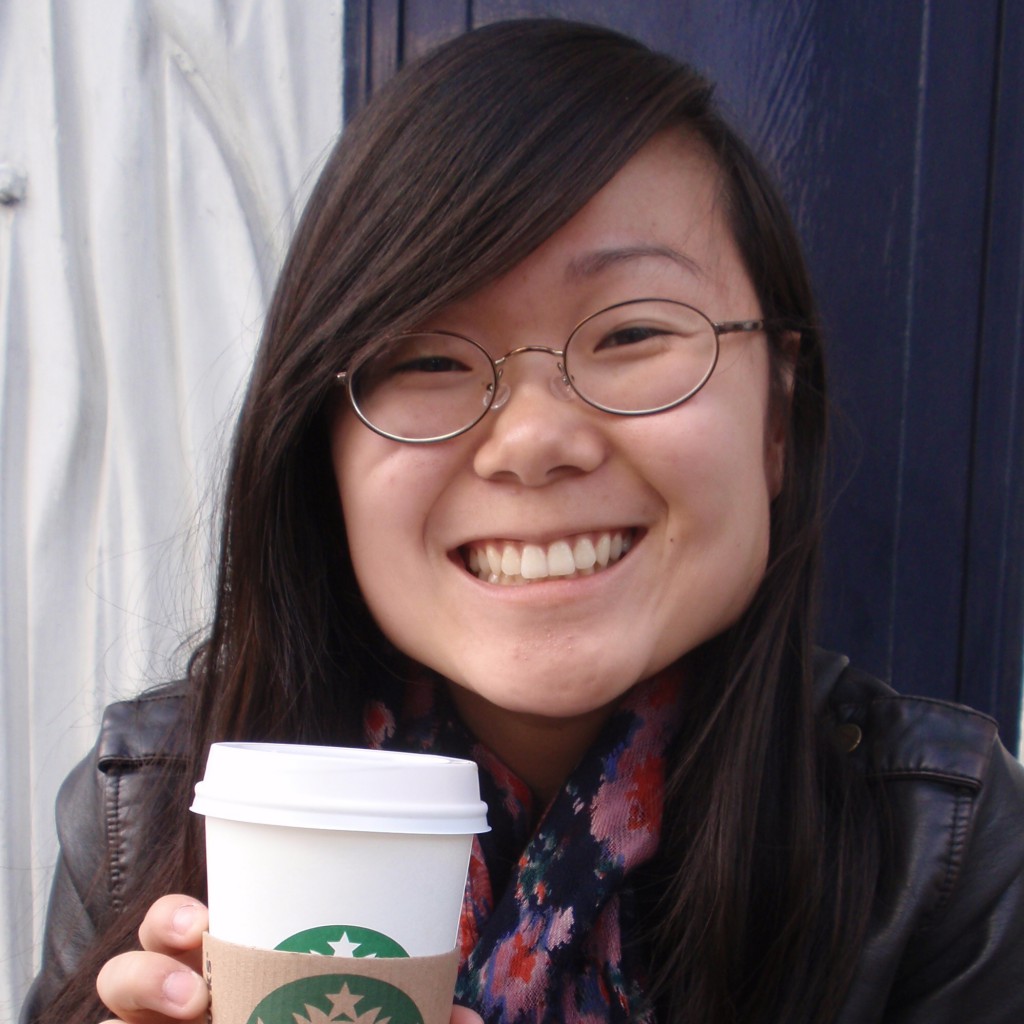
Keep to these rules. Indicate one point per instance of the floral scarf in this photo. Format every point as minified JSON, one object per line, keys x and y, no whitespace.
{"x":549,"y":913}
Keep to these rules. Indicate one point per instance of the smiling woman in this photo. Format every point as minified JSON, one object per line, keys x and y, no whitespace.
{"x":529,"y":471}
{"x":685,"y":492}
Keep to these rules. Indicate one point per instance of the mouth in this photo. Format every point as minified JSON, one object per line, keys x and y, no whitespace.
{"x":512,"y":563}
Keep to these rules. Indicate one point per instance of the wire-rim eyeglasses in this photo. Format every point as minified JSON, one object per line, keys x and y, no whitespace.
{"x":634,"y":358}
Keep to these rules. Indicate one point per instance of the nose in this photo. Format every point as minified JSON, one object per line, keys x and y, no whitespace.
{"x":537,"y":431}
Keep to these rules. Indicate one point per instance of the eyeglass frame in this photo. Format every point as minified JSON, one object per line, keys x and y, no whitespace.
{"x":497,"y":366}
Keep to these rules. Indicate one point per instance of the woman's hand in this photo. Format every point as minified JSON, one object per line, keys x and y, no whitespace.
{"x":161,"y":982}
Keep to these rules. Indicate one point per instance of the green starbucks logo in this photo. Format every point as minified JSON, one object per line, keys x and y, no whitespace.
{"x":336,"y":999}
{"x":342,"y":940}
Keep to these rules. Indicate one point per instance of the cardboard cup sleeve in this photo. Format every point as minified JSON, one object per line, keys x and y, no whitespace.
{"x":257,"y":986}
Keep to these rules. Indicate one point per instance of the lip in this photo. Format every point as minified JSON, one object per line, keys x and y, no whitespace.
{"x":558,"y":558}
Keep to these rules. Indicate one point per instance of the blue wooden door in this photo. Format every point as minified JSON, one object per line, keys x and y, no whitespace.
{"x":896,"y":128}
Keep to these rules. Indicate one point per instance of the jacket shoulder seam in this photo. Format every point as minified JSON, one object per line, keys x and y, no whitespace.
{"x":953,"y":778}
{"x":115,"y":843}
{"x":934,"y":702}
{"x":959,"y":828}
{"x":962,"y":808}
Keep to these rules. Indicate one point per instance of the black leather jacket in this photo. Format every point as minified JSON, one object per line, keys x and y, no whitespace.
{"x":946,"y":945}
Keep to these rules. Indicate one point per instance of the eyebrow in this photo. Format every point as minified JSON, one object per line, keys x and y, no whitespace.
{"x":592,"y":263}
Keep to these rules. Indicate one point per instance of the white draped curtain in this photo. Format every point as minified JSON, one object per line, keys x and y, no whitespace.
{"x":154,"y":155}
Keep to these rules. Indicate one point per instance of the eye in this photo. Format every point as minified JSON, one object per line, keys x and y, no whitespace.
{"x":424,"y":364}
{"x":631,"y":341}
{"x":428,"y":364}
{"x":628,"y":336}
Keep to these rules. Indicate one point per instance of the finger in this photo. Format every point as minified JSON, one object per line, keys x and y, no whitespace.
{"x":174,"y":925}
{"x":145,"y":988}
{"x":464,"y":1015}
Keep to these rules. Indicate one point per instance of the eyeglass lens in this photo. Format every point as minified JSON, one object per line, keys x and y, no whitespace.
{"x":634,"y":358}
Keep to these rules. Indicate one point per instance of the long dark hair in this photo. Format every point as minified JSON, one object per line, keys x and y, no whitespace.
{"x":461,"y":166}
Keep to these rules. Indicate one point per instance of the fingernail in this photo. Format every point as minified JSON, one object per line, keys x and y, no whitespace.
{"x":179,"y":987}
{"x":183,"y":918}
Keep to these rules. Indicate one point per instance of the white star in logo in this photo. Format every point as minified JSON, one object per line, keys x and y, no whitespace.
{"x":346,"y":947}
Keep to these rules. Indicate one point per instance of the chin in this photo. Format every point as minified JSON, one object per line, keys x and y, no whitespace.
{"x":555,"y":693}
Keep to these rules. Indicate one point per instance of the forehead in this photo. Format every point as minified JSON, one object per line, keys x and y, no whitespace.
{"x":659,"y":228}
{"x":669,"y":195}
{"x":670,"y":187}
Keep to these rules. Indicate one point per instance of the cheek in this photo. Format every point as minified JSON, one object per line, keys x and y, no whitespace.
{"x":719,"y":477}
{"x":389,"y":493}
{"x":366,"y":472}
{"x":380,"y":534}
{"x":719,"y":463}
{"x":720,"y":541}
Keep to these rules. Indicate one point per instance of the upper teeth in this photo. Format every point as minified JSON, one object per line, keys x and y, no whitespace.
{"x":508,"y":562}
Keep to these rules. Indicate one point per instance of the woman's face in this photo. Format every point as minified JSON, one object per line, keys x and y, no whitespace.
{"x":688,"y":490}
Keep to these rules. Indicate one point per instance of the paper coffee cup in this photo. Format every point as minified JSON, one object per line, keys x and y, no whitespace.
{"x":346,"y":853}
{"x":303,"y":841}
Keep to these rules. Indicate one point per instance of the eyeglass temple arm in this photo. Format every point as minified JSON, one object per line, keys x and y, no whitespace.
{"x":740,"y":326}
{"x":748,"y":326}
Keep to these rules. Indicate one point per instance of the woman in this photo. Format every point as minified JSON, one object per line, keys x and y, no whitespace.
{"x":529,"y":470}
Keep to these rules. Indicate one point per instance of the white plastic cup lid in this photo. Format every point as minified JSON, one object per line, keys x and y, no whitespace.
{"x":341,"y":788}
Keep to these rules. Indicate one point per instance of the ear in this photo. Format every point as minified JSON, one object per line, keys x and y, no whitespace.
{"x":784,"y":356}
